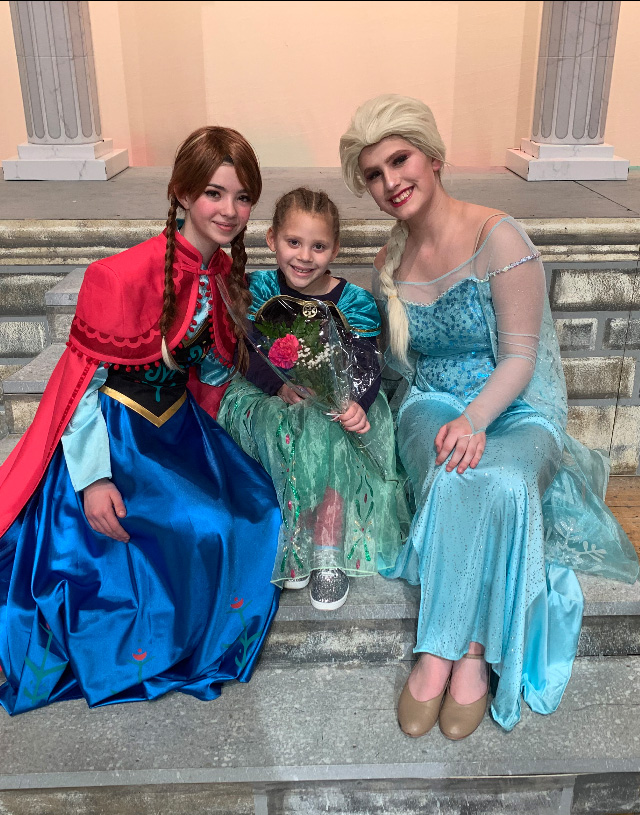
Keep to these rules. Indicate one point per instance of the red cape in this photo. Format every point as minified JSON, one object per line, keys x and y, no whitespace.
{"x":116,"y":323}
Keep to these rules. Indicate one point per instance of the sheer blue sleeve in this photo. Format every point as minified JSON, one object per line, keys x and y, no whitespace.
{"x":85,"y":441}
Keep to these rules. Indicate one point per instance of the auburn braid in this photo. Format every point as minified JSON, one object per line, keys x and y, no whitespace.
{"x":169,"y":303}
{"x":240,"y":295}
{"x":169,"y":307}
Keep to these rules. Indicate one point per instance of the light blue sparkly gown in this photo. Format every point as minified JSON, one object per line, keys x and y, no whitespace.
{"x":491,"y":548}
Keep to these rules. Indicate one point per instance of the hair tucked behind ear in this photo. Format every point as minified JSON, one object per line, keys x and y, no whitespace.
{"x":169,"y":302}
{"x":398,"y":322}
{"x":240,"y":295}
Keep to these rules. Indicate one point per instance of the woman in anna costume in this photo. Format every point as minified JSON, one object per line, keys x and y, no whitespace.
{"x":137,"y":540}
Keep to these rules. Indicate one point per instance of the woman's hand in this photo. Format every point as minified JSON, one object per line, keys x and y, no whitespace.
{"x":289,"y":396}
{"x":467,"y":448}
{"x":354,"y":419}
{"x":103,"y":505}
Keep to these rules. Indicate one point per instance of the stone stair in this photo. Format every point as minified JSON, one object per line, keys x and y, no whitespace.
{"x":24,"y":329}
{"x":315,"y":731}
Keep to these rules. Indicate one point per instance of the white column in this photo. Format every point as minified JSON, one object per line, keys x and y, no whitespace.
{"x":60,"y":96}
{"x":577,"y":44}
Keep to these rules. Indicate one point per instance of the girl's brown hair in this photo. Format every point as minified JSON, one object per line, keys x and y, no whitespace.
{"x":197,"y":159}
{"x":310,"y":201}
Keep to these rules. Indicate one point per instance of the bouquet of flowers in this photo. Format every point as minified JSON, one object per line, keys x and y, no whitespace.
{"x":314,"y":352}
{"x":309,"y":345}
{"x":306,"y":352}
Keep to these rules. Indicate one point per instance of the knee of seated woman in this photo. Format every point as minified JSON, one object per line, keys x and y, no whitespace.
{"x":490,"y":478}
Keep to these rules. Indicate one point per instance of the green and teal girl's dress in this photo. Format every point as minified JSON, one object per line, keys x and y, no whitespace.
{"x":340,"y":509}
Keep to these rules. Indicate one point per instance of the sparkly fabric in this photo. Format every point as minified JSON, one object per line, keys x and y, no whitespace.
{"x":339,"y":508}
{"x":484,"y":544}
{"x":328,"y":586}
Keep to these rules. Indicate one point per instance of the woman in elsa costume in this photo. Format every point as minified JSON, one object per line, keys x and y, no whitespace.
{"x":508,"y":505}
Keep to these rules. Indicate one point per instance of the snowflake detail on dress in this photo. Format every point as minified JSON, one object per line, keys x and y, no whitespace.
{"x":562,"y":546}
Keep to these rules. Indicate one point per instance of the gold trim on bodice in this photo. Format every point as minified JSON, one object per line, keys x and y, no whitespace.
{"x":158,"y":421}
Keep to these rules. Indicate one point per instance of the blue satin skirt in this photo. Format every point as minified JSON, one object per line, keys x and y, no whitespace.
{"x":477,"y":549}
{"x":185,"y":605}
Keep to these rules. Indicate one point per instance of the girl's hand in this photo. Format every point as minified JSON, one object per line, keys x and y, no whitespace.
{"x":467,"y":449}
{"x":289,"y":396}
{"x":354,"y":419}
{"x":103,"y":506}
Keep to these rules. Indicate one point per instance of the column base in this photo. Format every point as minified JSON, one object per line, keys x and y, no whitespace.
{"x":97,"y":161}
{"x":566,"y":162}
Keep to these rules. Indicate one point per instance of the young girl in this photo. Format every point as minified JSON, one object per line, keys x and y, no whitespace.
{"x":340,"y":513}
{"x":127,"y":564}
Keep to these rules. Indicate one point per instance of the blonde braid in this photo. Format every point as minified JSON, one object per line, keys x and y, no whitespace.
{"x":398,"y":322}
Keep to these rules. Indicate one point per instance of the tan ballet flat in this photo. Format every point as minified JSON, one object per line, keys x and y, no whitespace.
{"x":417,"y":718}
{"x":459,"y":721}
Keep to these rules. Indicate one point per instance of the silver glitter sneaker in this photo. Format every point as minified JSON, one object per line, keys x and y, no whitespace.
{"x":329,"y":589}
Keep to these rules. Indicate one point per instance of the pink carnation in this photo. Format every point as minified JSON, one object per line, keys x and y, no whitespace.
{"x":284,"y":351}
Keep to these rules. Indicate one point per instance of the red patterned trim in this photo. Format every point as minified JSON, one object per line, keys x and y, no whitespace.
{"x":120,"y":342}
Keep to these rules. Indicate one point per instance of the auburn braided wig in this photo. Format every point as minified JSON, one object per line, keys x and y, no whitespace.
{"x":169,"y":302}
{"x":197,"y":159}
{"x":240,"y":295}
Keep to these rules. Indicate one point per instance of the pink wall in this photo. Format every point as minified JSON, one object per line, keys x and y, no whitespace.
{"x":289,"y":74}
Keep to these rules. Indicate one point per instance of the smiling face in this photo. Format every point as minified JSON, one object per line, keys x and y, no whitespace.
{"x":304,"y":247}
{"x":401,"y":179}
{"x":219,"y":214}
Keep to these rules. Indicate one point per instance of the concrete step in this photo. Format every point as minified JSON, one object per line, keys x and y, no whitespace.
{"x":22,"y":288}
{"x":310,"y":739}
{"x":71,"y":241}
{"x":24,"y":330}
{"x":378,"y":623}
{"x":23,"y":325}
{"x":60,"y":304}
{"x":24,"y":388}
{"x":23,"y":336}
{"x":6,"y":446}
